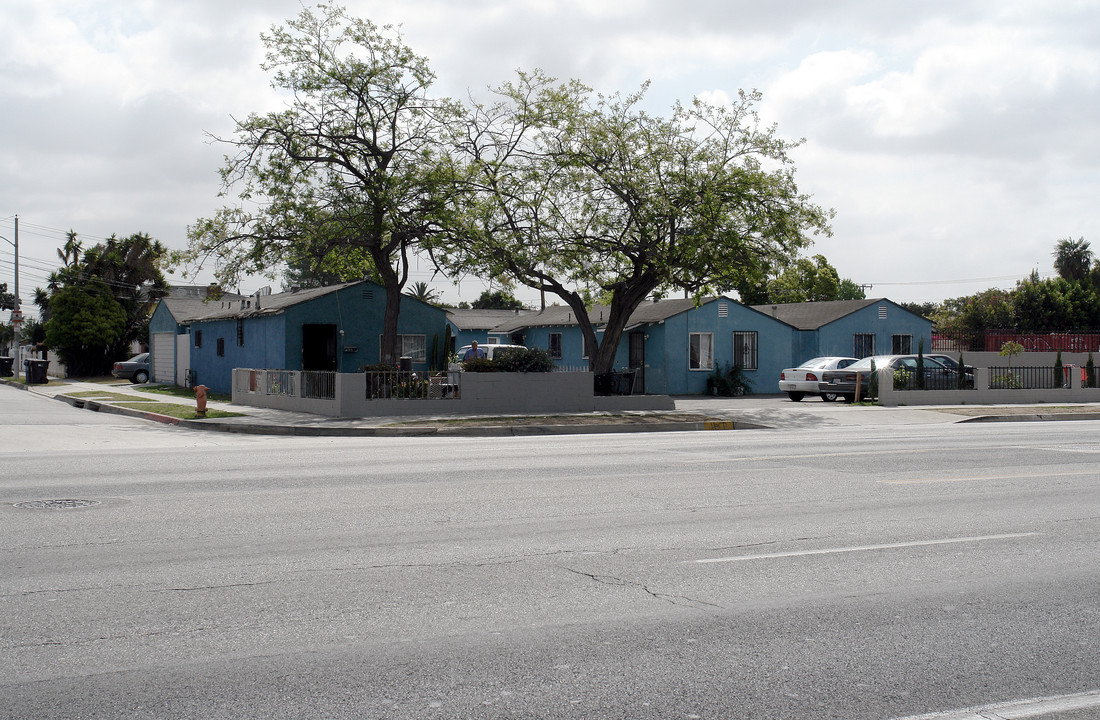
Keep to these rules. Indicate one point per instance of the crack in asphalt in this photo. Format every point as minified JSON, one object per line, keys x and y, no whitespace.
{"x":679,"y":600}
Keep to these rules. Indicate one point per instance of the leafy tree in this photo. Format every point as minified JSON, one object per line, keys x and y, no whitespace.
{"x":309,"y":266}
{"x":810,"y":280}
{"x":357,"y":161}
{"x":497,"y":300}
{"x":85,"y":323}
{"x":967,"y":318}
{"x":7,"y":337}
{"x":7,"y":299}
{"x":580,"y":191}
{"x":924,"y":309}
{"x":1054,"y":305}
{"x":1072,"y":258}
{"x":125,"y":269}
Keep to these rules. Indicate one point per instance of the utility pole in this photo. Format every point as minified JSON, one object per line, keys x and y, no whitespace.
{"x":17,"y":264}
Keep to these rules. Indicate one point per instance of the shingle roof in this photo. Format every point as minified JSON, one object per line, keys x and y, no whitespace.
{"x":563,"y":315}
{"x":813,"y":315}
{"x":188,"y":310}
{"x":473,"y":319}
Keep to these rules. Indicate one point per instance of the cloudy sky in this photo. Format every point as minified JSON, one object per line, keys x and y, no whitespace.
{"x":957,"y":140}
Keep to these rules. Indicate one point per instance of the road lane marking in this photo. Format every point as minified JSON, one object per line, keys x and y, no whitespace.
{"x":865,"y":548}
{"x":1018,"y":709}
{"x":917,"y":481}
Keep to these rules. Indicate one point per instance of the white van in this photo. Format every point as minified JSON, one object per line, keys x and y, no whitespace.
{"x":490,"y":351}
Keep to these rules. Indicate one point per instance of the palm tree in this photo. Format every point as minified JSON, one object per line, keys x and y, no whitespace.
{"x":423,"y":293}
{"x":1072,"y":258}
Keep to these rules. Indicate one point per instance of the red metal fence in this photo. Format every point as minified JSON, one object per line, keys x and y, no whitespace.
{"x":992,"y":340}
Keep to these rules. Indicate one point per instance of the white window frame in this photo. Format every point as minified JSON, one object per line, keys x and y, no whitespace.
{"x":554,"y":354}
{"x":414,"y":346}
{"x":752,"y":347}
{"x":700,"y":358}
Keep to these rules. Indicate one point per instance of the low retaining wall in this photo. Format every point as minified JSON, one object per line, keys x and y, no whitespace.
{"x":982,"y":394}
{"x":480,"y":394}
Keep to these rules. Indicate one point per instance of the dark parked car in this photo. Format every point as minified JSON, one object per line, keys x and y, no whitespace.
{"x":843,"y":382}
{"x":136,"y":369}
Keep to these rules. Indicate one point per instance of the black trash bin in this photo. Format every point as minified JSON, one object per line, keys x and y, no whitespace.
{"x":36,"y":371}
{"x":6,"y":366}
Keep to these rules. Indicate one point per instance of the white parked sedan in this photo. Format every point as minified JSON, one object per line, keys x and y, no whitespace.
{"x":803,"y":380}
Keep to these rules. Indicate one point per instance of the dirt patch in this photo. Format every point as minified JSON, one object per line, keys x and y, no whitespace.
{"x":517,"y":421}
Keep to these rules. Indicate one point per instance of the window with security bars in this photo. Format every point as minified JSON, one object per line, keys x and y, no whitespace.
{"x":745,"y":349}
{"x":555,"y":345}
{"x":864,"y":345}
{"x":901,"y":345}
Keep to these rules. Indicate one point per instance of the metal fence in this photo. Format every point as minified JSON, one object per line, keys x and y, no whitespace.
{"x":934,"y":379}
{"x":279,"y":382}
{"x":1028,"y":378}
{"x":318,"y":385}
{"x":992,"y":340}
{"x":405,"y":385}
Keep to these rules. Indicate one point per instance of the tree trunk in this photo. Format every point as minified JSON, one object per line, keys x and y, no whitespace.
{"x":390,"y":349}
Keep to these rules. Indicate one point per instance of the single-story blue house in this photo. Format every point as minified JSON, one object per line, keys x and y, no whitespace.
{"x":853,"y":328}
{"x":336,"y":328}
{"x":676,"y":344}
{"x":468,"y":325}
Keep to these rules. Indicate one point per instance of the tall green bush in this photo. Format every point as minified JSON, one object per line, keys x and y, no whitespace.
{"x":1058,"y":377}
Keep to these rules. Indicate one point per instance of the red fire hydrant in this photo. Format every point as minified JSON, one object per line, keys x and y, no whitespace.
{"x":200,"y":400}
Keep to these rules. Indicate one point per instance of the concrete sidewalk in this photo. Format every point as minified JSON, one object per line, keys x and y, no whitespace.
{"x":692,"y":413}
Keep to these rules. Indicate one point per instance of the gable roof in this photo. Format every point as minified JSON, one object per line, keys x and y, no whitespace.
{"x":189,"y":310}
{"x":475,"y":319}
{"x":647,"y":313}
{"x":813,"y":315}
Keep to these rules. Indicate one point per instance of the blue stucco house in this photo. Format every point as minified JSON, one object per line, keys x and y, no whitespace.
{"x":335,"y":328}
{"x":855,"y":328}
{"x":673,"y":345}
{"x":468,"y":325}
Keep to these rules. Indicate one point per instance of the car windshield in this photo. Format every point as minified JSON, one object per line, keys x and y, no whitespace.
{"x":815,"y":364}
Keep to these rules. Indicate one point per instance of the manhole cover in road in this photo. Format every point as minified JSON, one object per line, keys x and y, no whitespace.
{"x":56,"y":504}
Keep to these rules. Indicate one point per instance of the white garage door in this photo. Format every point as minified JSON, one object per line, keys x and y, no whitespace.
{"x":164,"y":357}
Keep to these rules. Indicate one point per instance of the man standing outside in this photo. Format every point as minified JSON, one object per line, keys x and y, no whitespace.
{"x":473,"y":353}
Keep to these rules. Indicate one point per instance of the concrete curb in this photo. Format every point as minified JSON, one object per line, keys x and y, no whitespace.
{"x":1032,"y":417}
{"x":417,"y":431}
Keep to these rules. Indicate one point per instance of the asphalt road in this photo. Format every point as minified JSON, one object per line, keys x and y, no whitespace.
{"x":852,"y":573}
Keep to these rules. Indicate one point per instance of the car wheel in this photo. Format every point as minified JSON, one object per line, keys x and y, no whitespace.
{"x":140,"y":377}
{"x":829,"y":397}
{"x":796,"y":396}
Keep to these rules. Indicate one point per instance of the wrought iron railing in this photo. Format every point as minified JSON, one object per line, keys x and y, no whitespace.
{"x":1028,"y":378}
{"x":405,"y":385}
{"x":318,"y":385}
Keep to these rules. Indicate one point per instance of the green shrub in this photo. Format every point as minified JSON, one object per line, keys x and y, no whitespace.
{"x":524,"y":360}
{"x":1090,"y":372}
{"x":480,"y":365}
{"x":730,"y":382}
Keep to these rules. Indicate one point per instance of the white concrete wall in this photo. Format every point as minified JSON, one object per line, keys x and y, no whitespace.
{"x":982,"y":394}
{"x":481,"y":393}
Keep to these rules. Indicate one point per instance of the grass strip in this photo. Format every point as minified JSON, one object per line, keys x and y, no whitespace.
{"x":183,"y":412}
{"x":176,"y":391}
